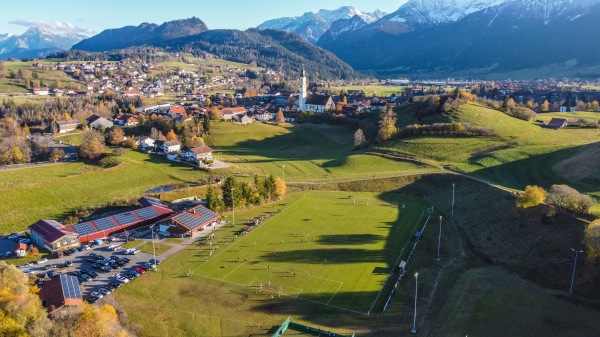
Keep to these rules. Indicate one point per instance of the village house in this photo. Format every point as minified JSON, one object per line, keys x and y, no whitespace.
{"x":189,"y":222}
{"x":144,"y":143}
{"x":176,"y":111}
{"x":164,"y":146}
{"x":243,"y":119}
{"x":65,"y":126}
{"x":198,"y":154}
{"x":557,"y":123}
{"x":95,"y":121}
{"x":40,"y":91}
{"x":228,"y":114}
{"x":127,"y":120}
{"x":319,"y":103}
{"x":20,"y":249}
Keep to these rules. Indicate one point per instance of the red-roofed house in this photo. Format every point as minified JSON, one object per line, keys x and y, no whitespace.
{"x":176,"y":111}
{"x":20,"y":249}
{"x":52,"y":235}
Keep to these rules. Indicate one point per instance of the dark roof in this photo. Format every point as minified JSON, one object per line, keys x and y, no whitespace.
{"x":201,"y":149}
{"x":194,"y":218}
{"x":50,"y":230}
{"x":147,"y":202}
{"x":92,"y":118}
{"x":69,"y":122}
{"x":557,"y":123}
{"x":318,"y":99}
{"x":60,"y":291}
{"x":159,"y":142}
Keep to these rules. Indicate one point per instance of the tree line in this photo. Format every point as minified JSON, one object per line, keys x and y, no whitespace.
{"x":247,"y":193}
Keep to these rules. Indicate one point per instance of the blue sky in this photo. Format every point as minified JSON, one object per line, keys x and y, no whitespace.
{"x":89,"y":17}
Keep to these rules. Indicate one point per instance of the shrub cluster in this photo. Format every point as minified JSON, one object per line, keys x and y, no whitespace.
{"x":454,"y":128}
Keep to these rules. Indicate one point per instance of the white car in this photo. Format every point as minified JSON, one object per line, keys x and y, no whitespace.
{"x":97,"y":294}
{"x":28,"y":271}
{"x":122,"y":279}
{"x":44,"y":260}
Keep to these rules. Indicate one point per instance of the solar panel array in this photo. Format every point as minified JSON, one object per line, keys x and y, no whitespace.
{"x":70,"y":286}
{"x":104,"y":224}
{"x":146,"y":213}
{"x":125,"y":218}
{"x":155,"y":202}
{"x":84,"y":228}
{"x":192,"y":222}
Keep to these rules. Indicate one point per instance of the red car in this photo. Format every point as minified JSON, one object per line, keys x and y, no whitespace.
{"x":140,"y":270}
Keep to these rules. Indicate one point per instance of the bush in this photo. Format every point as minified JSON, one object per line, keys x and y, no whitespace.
{"x":109,"y":161}
{"x":533,"y":196}
{"x":569,"y":199}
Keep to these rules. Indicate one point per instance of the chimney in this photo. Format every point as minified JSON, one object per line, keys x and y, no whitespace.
{"x":193,"y":211}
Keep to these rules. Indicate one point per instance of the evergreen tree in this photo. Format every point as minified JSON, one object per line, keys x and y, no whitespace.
{"x":212,"y":199}
{"x":229,"y":197}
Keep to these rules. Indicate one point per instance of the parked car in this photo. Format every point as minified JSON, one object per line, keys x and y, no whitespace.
{"x":74,"y":250}
{"x":50,"y":266}
{"x":43,"y":260}
{"x":104,"y":291}
{"x":91,"y":259}
{"x":8,"y":254}
{"x":153,"y":261}
{"x":28,"y":271}
{"x":113,"y":265}
{"x":80,"y":279}
{"x":84,"y":247}
{"x":13,"y":236}
{"x":26,"y":264}
{"x":126,"y":260}
{"x":27,"y":241}
{"x":107,"y":268}
{"x":134,"y":273}
{"x":86,"y":277}
{"x":122,"y":279}
{"x":140,"y":270}
{"x":109,"y":287}
{"x":97,"y":294}
{"x":76,"y":273}
{"x":96,"y":256}
{"x":114,"y":284}
{"x":92,"y":299}
{"x":68,"y":264}
{"x":92,"y":273}
{"x":67,"y":253}
{"x":128,"y":276}
{"x":97,"y":266}
{"x":52,"y":273}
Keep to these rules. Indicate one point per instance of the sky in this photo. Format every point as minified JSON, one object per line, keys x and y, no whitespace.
{"x":90,"y":17}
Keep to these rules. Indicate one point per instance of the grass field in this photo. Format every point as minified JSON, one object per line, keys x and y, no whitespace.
{"x":360,"y":243}
{"x":377,"y":90}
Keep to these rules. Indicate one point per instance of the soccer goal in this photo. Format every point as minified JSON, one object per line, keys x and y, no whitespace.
{"x":269,"y":288}
{"x":361,"y":201}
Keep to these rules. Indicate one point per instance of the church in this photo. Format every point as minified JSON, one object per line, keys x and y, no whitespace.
{"x":316,"y":103}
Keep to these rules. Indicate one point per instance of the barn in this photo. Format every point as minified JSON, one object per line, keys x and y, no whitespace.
{"x":59,"y":292}
{"x":56,"y":237}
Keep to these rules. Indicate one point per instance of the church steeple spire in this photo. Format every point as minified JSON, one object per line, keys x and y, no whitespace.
{"x":302,"y":98}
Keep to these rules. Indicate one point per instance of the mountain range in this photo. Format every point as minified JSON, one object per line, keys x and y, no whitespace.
{"x":267,"y":48}
{"x":441,"y":37}
{"x":35,"y":42}
{"x":311,"y":26}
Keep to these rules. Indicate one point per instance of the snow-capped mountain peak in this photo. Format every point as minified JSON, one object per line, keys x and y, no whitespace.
{"x":36,"y":42}
{"x":311,"y":26}
{"x":433,"y":12}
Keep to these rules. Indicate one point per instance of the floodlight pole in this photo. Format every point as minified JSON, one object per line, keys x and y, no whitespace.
{"x":283,"y":173}
{"x":414,"y":329}
{"x":233,"y":206}
{"x":577,"y":252}
{"x":453,"y":200}
{"x":153,"y":249}
{"x":439,"y":239}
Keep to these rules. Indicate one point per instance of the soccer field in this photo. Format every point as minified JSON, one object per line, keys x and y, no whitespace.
{"x":322,"y":247}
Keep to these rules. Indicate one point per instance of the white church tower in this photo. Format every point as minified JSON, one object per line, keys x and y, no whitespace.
{"x":302,"y":98}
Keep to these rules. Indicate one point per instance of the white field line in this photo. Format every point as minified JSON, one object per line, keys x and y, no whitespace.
{"x":336,"y":291}
{"x":238,"y":267}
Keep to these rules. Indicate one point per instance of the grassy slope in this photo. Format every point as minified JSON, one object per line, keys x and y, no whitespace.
{"x":55,"y":192}
{"x":521,"y":153}
{"x":309,"y":152}
{"x":47,"y":76}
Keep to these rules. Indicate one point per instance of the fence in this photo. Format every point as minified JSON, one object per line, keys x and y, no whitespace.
{"x":300,"y":327}
{"x":282,"y":327}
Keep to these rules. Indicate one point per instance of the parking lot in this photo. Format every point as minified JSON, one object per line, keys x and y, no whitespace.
{"x":79,"y":259}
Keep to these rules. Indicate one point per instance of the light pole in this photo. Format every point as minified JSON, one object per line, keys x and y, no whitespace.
{"x":233,"y":206}
{"x":439,"y":239}
{"x":414,"y":329}
{"x":577,"y":252}
{"x":453,"y":200}
{"x":283,"y":173}
{"x":153,"y":249}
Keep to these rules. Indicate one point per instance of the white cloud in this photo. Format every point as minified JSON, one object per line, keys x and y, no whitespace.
{"x":54,"y":26}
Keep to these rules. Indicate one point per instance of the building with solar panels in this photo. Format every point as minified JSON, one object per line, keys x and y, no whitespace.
{"x":59,"y":292}
{"x":191,"y":221}
{"x":56,"y":237}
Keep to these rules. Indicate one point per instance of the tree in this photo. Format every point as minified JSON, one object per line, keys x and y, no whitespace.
{"x":533,"y":196}
{"x":92,"y":145}
{"x":26,"y":130}
{"x":114,"y":135}
{"x":21,"y":311}
{"x":212,"y":199}
{"x":207,"y":123}
{"x":387,"y":125}
{"x":57,"y":154}
{"x":545,"y":107}
{"x":229,"y":197}
{"x":130,"y":143}
{"x":214,"y":114}
{"x":171,"y":135}
{"x":279,"y":118}
{"x":568,"y":198}
{"x":154,"y":133}
{"x":270,"y":188}
{"x":280,"y":188}
{"x":359,"y":138}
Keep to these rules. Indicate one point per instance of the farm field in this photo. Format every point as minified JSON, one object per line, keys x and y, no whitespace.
{"x":339,"y":264}
{"x":378,"y":90}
